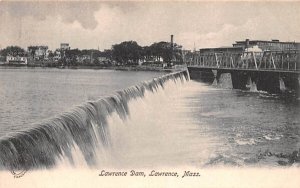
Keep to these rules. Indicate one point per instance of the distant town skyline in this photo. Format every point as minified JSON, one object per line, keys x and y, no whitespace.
{"x":89,"y":25}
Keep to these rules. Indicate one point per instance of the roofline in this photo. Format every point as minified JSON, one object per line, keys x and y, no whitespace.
{"x":229,"y":47}
{"x":241,"y":41}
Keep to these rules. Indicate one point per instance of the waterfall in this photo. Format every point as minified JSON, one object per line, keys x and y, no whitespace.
{"x":281,"y":84}
{"x":251,"y":85}
{"x":224,"y":81}
{"x":84,"y":129}
{"x":215,"y":82}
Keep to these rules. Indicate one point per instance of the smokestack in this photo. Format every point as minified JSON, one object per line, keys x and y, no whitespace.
{"x":247,"y":43}
{"x":172,"y":41}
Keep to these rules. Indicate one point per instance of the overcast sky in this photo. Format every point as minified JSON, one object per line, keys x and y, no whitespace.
{"x":93,"y":24}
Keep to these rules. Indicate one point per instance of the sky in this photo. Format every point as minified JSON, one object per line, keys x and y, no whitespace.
{"x":92,"y":25}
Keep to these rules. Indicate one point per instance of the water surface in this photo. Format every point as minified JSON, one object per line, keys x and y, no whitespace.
{"x":29,"y":95}
{"x":167,"y":123}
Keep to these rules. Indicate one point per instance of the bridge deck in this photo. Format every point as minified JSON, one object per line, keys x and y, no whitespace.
{"x":268,"y":61}
{"x":247,"y":70}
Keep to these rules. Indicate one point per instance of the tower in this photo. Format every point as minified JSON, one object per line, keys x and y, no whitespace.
{"x":172,"y":48}
{"x":172,"y":41}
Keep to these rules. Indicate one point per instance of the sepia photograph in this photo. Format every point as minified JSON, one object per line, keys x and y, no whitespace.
{"x":149,"y":94}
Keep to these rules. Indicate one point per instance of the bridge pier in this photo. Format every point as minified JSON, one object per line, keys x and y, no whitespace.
{"x":223,"y":79}
{"x":291,"y":82}
{"x":272,"y":82}
{"x":268,"y":81}
{"x":204,"y":75}
{"x":239,"y":80}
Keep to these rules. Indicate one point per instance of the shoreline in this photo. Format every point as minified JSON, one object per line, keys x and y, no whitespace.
{"x":120,"y":68}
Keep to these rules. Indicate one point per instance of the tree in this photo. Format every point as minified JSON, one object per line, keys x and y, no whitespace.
{"x":32,"y":50}
{"x":128,"y":52}
{"x":177,"y":53}
{"x":107,"y":54}
{"x":188,"y":57}
{"x":13,"y":50}
{"x":72,"y":53}
{"x":71,"y":56}
{"x":147,"y":52}
{"x":51,"y":55}
{"x":166,"y":51}
{"x":162,"y":49}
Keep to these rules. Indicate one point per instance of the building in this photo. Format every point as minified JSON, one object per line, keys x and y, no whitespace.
{"x":273,"y":45}
{"x":16,"y":60}
{"x":57,"y":55}
{"x":38,"y":52}
{"x":102,"y":59}
{"x":187,"y":55}
{"x":152,"y":61}
{"x":65,"y":46}
{"x":297,"y":46}
{"x":253,"y":46}
{"x":2,"y":59}
{"x":221,"y":50}
{"x":41,"y":51}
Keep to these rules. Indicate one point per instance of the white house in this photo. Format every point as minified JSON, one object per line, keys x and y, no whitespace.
{"x":16,"y":60}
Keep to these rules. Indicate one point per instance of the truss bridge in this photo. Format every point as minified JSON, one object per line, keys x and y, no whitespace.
{"x":272,"y":71}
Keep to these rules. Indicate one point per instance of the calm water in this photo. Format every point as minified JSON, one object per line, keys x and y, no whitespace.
{"x":29,"y":95}
{"x":186,"y":123}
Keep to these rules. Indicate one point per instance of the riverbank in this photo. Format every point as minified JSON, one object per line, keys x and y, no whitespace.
{"x":121,"y":68}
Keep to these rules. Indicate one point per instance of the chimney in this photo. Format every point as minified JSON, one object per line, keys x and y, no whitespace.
{"x":172,"y":41}
{"x":247,"y":43}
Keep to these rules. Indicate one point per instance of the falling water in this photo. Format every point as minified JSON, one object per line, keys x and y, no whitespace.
{"x":224,"y":81}
{"x":281,"y":84}
{"x":80,"y":136}
{"x":251,"y":85}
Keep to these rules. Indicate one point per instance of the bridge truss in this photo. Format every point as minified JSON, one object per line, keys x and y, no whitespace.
{"x":269,"y":60}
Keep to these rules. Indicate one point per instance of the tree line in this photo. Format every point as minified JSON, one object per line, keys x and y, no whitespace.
{"x":127,"y":52}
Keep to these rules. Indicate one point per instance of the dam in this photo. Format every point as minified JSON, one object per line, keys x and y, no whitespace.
{"x":84,"y":132}
{"x":165,"y":120}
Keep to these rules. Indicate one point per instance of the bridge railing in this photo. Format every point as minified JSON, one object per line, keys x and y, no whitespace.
{"x":268,"y":60}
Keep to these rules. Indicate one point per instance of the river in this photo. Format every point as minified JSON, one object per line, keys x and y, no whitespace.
{"x":169,"y":122}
